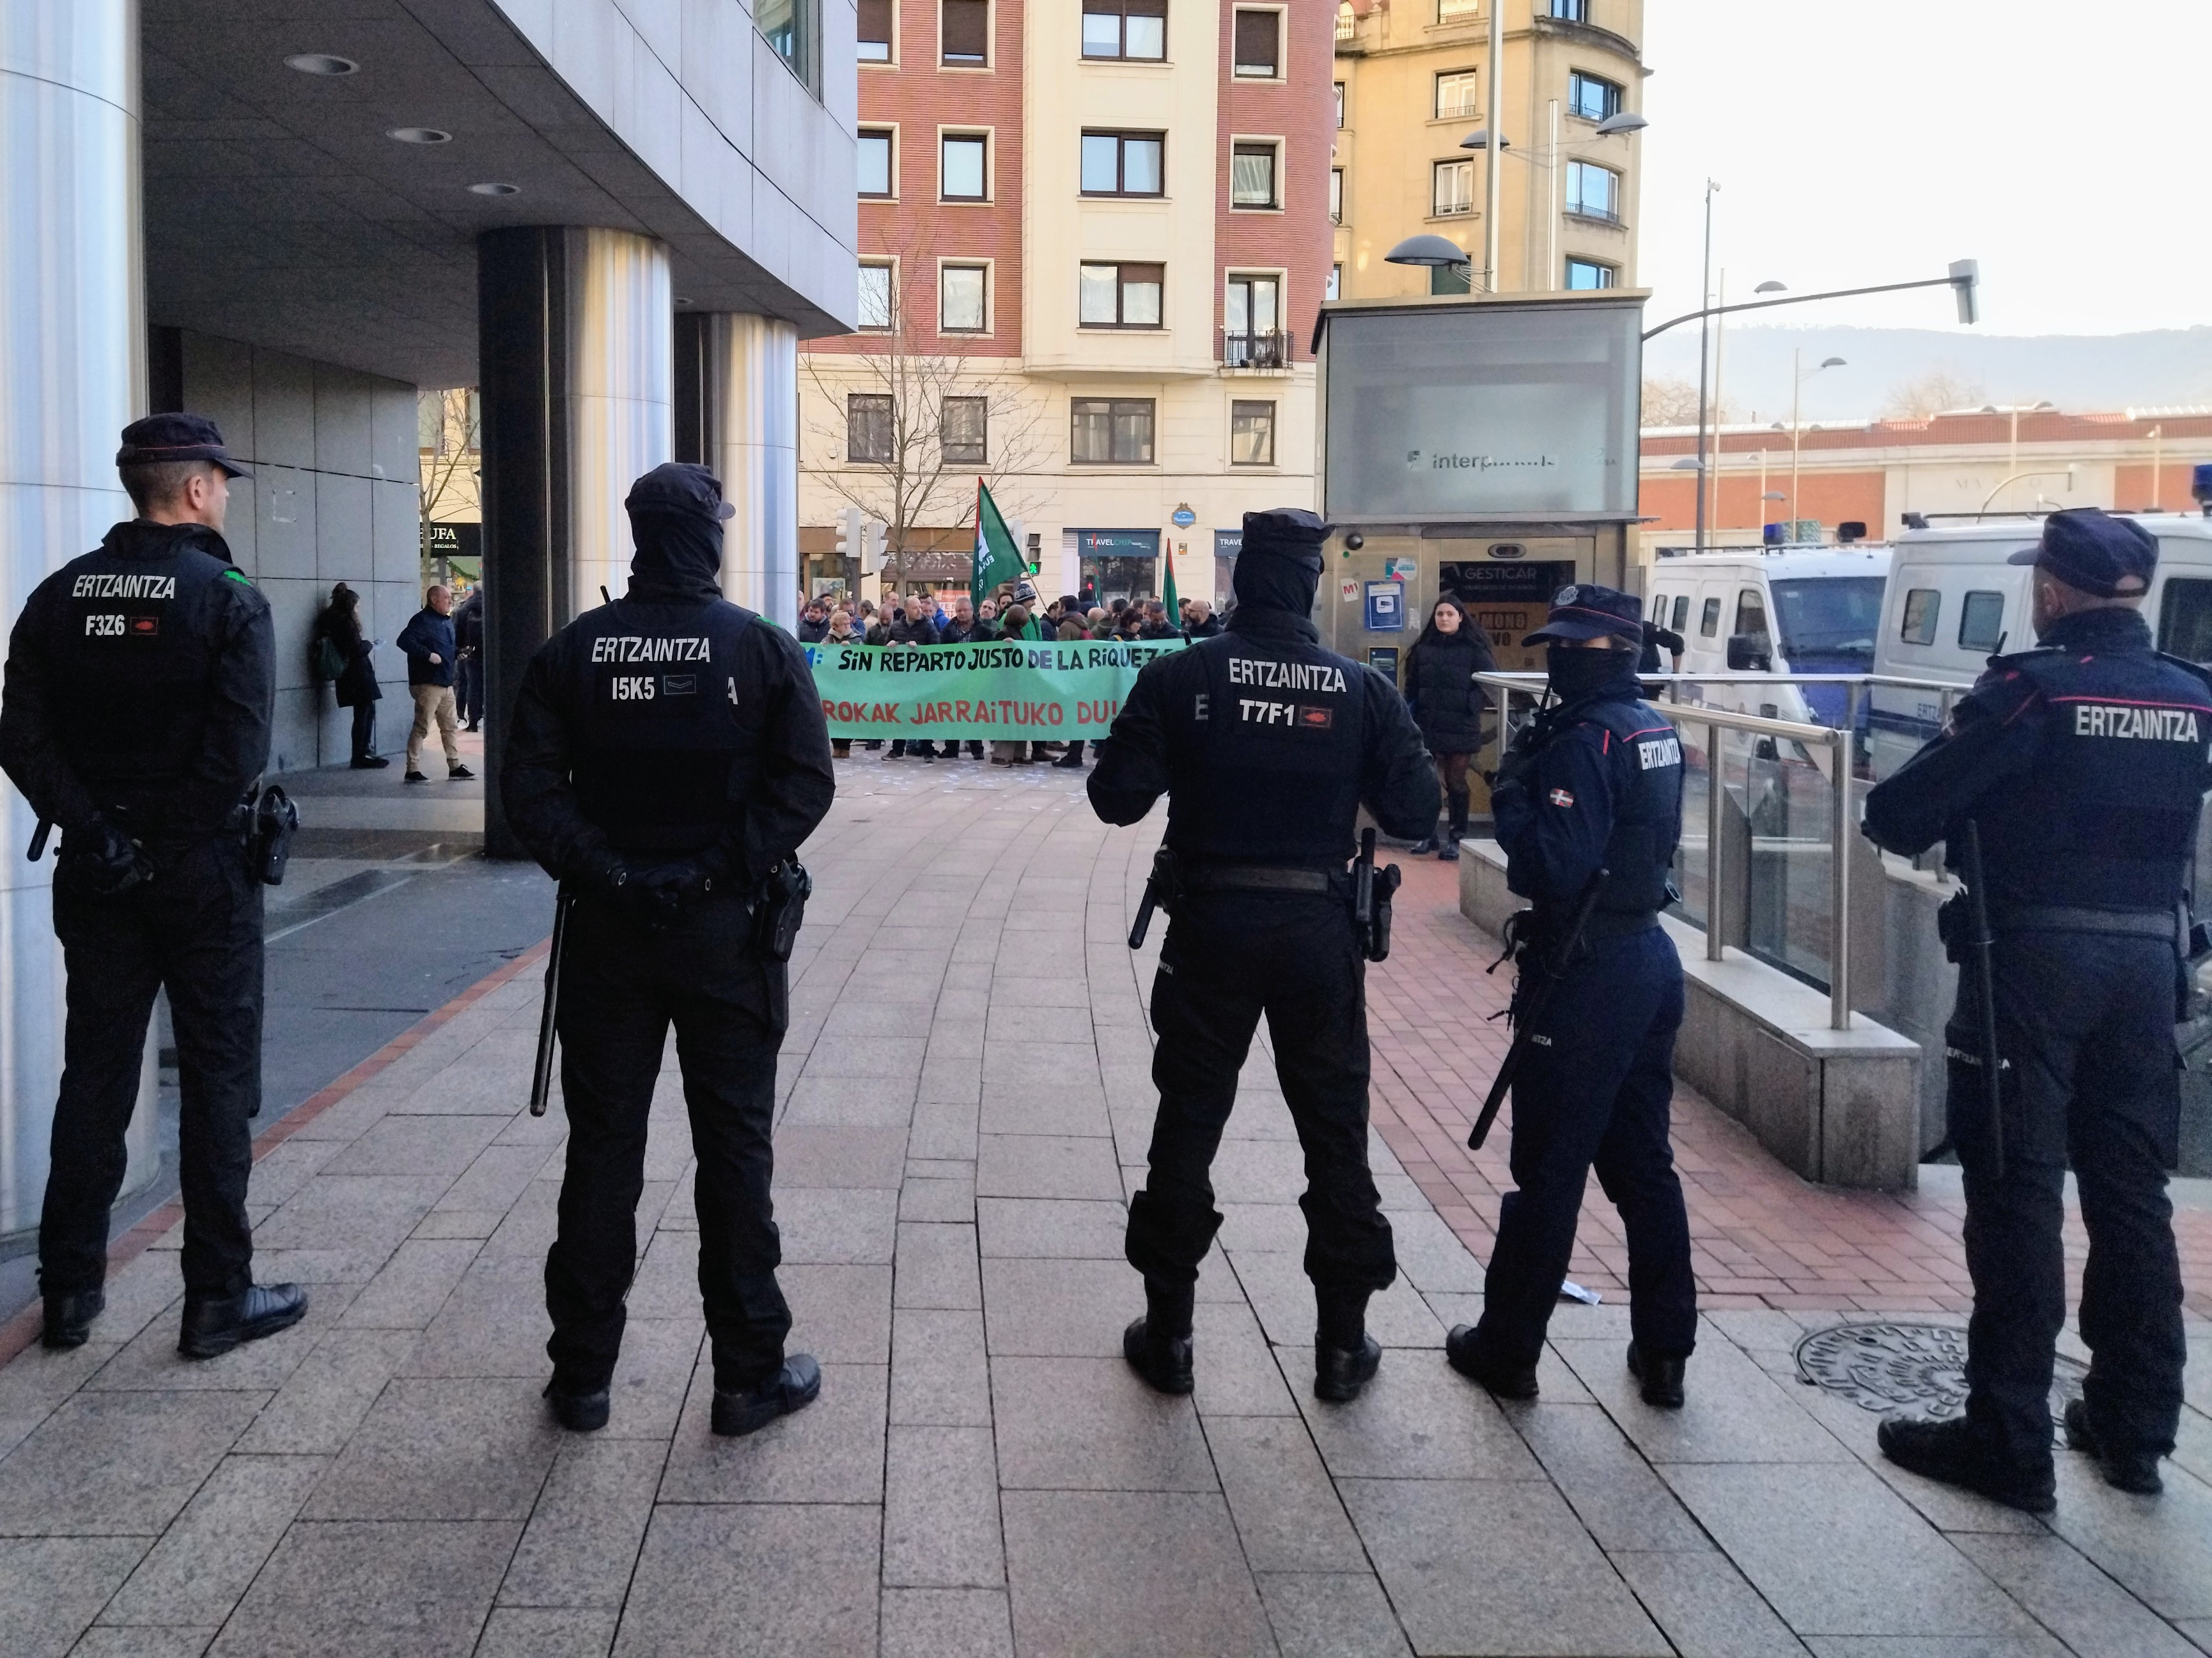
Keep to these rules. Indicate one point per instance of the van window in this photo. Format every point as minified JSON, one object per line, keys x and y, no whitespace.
{"x":1751,"y":614}
{"x":1921,"y":606}
{"x":1659,"y":611}
{"x":1981,"y":622}
{"x":2184,"y":620}
{"x":1709,"y":621}
{"x":1681,"y":611}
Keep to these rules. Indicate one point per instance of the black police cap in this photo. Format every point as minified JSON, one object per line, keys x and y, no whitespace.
{"x":680,"y":486}
{"x":1587,"y":610}
{"x":1288,"y":532}
{"x":2088,"y":548}
{"x":160,"y":438}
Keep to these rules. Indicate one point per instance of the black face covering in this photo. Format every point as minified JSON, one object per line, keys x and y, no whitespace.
{"x":679,"y":555}
{"x":1578,"y":671}
{"x":1272,"y":582}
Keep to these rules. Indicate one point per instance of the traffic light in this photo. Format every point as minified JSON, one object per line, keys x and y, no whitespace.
{"x":872,"y":531}
{"x":850,"y":541}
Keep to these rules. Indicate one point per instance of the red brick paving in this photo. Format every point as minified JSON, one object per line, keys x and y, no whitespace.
{"x":1760,"y":1235}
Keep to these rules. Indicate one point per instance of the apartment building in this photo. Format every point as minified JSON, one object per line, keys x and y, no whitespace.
{"x":1094,"y":239}
{"x":1412,"y":80}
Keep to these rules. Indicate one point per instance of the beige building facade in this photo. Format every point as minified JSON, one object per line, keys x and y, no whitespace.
{"x":1412,"y":79}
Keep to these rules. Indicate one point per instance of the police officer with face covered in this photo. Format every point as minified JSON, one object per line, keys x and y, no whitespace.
{"x":141,"y":680}
{"x":1588,"y":809}
{"x":1266,"y":745}
{"x":2081,"y":767}
{"x":667,"y":757}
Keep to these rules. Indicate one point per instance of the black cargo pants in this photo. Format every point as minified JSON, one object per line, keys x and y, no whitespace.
{"x":623,"y":983}
{"x":1229,"y":958}
{"x":194,"y":930}
{"x":2085,"y":1027}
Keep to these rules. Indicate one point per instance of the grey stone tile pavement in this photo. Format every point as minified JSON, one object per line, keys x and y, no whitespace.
{"x":965,"y":1107}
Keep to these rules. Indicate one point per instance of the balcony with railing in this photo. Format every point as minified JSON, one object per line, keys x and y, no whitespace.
{"x":1255,"y":351}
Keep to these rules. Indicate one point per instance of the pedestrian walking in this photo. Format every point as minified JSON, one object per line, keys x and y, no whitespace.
{"x":343,"y":643}
{"x":1266,"y":745}
{"x":141,"y":684}
{"x":1448,"y":705}
{"x":1591,"y":800}
{"x":672,"y":820}
{"x":468,"y":658}
{"x":2078,"y":770}
{"x":427,"y":640}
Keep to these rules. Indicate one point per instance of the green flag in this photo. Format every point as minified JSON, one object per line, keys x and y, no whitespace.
{"x":1167,"y":589}
{"x":996,"y":558}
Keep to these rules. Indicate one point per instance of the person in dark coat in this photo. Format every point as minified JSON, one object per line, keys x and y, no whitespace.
{"x":468,"y":648}
{"x":1448,"y":707}
{"x":355,"y":687}
{"x":814,"y":621}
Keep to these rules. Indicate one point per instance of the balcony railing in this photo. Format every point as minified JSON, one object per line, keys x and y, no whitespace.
{"x":1254,"y":350}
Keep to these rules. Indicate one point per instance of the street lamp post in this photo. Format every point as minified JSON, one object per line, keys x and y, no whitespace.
{"x":1494,"y":121}
{"x":1799,"y":375}
{"x":1705,"y":300}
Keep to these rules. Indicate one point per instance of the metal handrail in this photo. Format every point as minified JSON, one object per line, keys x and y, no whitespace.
{"x":1836,"y":739}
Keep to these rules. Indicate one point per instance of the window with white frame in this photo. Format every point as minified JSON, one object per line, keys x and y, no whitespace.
{"x":1455,"y":11}
{"x":1336,"y":195}
{"x":1125,"y":28}
{"x":1257,"y":39}
{"x":1451,"y":187}
{"x":1340,"y":106}
{"x":1593,"y":192}
{"x":873,"y":162}
{"x":1333,"y":289}
{"x":960,"y":299}
{"x":875,"y":295}
{"x":963,"y":169}
{"x":1252,"y":181}
{"x":1455,"y":94}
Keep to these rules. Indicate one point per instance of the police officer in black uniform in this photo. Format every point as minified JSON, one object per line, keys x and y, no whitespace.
{"x":1593,"y":783}
{"x":2083,"y":765}
{"x":1266,"y":745}
{"x":667,"y":757}
{"x":141,"y":680}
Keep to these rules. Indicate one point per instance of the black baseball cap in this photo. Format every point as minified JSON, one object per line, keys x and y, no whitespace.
{"x":160,"y":438}
{"x":1587,"y":610}
{"x":680,"y":486}
{"x":2088,"y":548}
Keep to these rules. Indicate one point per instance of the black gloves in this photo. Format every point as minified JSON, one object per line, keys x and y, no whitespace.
{"x":103,"y":857}
{"x":663,"y":893}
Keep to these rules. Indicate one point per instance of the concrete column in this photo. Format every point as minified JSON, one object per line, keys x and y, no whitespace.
{"x":574,"y":361}
{"x":72,"y":375}
{"x":737,"y":397}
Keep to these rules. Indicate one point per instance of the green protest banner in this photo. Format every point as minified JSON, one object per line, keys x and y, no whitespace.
{"x":1040,"y":692}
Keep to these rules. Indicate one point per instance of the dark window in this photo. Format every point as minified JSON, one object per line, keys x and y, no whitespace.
{"x":1449,"y":278}
{"x":1981,"y":622}
{"x":2184,"y":620}
{"x":789,"y":25}
{"x":1121,"y":296}
{"x":1258,"y":42}
{"x":1123,"y":163}
{"x":962,"y":174}
{"x":1593,"y":192}
{"x":875,"y":162}
{"x":1681,"y":613}
{"x":875,"y":31}
{"x":1592,"y":99}
{"x":1252,"y":176}
{"x":1589,"y":273}
{"x":1751,"y":614}
{"x":1125,"y":28}
{"x":962,"y":430}
{"x":1113,"y":431}
{"x":1253,"y":321}
{"x":1921,"y":606}
{"x":964,"y":32}
{"x":868,"y":428}
{"x":1708,"y":619}
{"x":1251,"y":434}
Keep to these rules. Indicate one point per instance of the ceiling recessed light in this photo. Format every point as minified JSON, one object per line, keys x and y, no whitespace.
{"x":420,"y":136}
{"x":496,"y":189}
{"x":321,"y":63}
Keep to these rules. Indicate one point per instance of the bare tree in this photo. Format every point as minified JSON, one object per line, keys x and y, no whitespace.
{"x":1942,"y":388}
{"x":443,"y":481}
{"x":1671,"y":400}
{"x":899,"y":421}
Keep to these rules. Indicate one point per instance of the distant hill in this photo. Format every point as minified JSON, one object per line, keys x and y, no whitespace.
{"x":2080,"y":372}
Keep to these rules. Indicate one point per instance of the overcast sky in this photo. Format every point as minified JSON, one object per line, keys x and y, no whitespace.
{"x":2064,"y":146}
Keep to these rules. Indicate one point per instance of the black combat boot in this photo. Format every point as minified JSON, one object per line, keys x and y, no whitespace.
{"x":1465,"y":1353}
{"x":68,"y":1318}
{"x":214,"y":1324}
{"x":739,"y":1411}
{"x":1449,"y":850}
{"x":1661,"y":1378}
{"x":581,"y":1411}
{"x":1956,"y":1453}
{"x":2124,"y":1469}
{"x":1346,"y":1358}
{"x":1159,"y":1346}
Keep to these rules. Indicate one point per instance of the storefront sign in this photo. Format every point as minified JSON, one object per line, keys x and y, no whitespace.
{"x":1008,"y":689}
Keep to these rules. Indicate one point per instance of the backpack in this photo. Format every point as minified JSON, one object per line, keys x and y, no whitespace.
{"x":330,"y":662}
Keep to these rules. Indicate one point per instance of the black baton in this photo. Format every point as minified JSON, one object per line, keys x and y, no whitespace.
{"x":39,"y":839}
{"x":1985,"y":975}
{"x":1540,"y":998}
{"x":541,"y":1079}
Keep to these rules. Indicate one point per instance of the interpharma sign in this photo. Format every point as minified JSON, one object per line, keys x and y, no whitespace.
{"x":1482,"y":409}
{"x":1037,"y":692}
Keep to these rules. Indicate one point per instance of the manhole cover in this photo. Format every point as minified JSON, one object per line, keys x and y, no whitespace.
{"x":1920,"y":1368}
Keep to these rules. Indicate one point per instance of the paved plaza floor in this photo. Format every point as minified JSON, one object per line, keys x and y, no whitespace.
{"x":965,"y":1105}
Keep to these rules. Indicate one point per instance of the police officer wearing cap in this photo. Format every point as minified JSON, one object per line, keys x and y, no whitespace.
{"x":1266,"y":745}
{"x":1593,"y":784}
{"x":667,"y":757}
{"x":2082,"y":765}
{"x":139,"y":683}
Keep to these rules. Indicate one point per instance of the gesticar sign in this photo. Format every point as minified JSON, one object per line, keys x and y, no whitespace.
{"x":1041,"y":691}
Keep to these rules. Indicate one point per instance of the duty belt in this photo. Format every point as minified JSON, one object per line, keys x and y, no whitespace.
{"x":1252,"y":877}
{"x":1602,"y":924}
{"x":2165,"y":925}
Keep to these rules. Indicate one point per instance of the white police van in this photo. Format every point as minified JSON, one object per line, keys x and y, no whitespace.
{"x":1954,"y":602}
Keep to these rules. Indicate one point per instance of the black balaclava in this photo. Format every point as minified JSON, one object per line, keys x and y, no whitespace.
{"x":679,"y":555}
{"x":1278,"y":570}
{"x":1577,"y":670}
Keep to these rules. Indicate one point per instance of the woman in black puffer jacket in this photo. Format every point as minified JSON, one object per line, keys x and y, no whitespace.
{"x":1447,"y":705}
